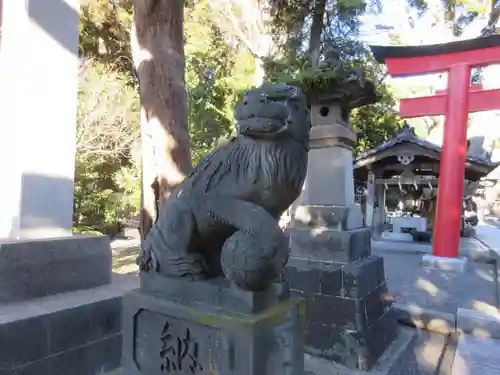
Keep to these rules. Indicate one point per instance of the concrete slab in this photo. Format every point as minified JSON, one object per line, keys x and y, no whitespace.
{"x":469,"y":247}
{"x":426,"y":319}
{"x":444,"y":292}
{"x":477,"y":356}
{"x":478,"y":323}
{"x":433,"y":354}
{"x":444,"y":264}
{"x":446,"y":355}
{"x":393,"y":362}
{"x":473,"y":369}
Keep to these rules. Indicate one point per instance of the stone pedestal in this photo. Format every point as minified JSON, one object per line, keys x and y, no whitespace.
{"x":209,"y":327}
{"x":331,"y":266}
{"x":347,"y":320}
{"x":60,"y":307}
{"x":37,"y":268}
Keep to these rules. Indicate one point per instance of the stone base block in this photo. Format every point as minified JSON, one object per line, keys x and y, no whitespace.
{"x":468,"y":232}
{"x":330,"y":244}
{"x":476,"y":356}
{"x":77,"y":333}
{"x":391,"y":236}
{"x":333,"y":217}
{"x":444,"y":264}
{"x":394,"y":361}
{"x":215,"y":292}
{"x":38,"y":268}
{"x":347,"y":319}
{"x":479,"y":323}
{"x":351,"y":280}
{"x":175,"y":335}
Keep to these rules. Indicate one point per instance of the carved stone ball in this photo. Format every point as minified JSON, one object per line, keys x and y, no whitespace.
{"x":248,"y":266}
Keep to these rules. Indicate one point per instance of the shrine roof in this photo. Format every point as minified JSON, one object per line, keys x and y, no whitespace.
{"x":406,"y":135}
{"x":381,"y":53}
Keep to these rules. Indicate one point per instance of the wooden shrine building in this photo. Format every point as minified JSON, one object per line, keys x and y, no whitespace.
{"x":402,"y":171}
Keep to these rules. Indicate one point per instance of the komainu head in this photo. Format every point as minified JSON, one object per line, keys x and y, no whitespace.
{"x":274,"y":110}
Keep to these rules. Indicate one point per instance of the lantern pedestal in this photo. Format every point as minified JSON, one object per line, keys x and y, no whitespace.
{"x":347,"y":320}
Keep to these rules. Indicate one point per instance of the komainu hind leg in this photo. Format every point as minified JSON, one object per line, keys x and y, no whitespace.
{"x":166,"y":250}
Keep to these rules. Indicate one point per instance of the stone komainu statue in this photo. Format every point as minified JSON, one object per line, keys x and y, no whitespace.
{"x":223,"y":218}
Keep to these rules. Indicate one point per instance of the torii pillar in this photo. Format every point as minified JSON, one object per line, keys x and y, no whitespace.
{"x":456,"y":58}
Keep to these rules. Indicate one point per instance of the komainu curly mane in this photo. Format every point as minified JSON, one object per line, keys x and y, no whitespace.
{"x":270,"y":164}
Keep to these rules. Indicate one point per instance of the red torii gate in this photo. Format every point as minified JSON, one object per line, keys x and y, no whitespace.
{"x":457,"y":58}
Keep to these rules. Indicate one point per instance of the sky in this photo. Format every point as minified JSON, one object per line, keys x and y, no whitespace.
{"x":397,"y":16}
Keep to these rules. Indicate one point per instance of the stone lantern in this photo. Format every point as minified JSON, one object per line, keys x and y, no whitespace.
{"x":331,"y":266}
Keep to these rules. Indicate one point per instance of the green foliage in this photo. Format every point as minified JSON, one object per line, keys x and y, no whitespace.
{"x":327,"y":75}
{"x":107,"y":114}
{"x":106,"y":178}
{"x":106,"y":175}
{"x":375,"y":123}
{"x":105,"y":195}
{"x":105,"y":32}
{"x":218,"y":69}
{"x":216,"y":75}
{"x":302,"y":73}
{"x":341,"y":55}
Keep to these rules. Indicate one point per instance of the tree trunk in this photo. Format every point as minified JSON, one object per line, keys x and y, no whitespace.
{"x":260,"y":71}
{"x":157,"y":39}
{"x":316,"y":32}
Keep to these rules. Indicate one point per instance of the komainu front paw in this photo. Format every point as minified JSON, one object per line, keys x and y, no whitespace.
{"x":147,"y":261}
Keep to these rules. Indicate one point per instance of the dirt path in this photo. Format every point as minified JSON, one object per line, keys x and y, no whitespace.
{"x":124,"y":260}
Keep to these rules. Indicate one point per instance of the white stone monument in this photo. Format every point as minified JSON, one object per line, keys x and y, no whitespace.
{"x":59,"y":309}
{"x":38,"y":85}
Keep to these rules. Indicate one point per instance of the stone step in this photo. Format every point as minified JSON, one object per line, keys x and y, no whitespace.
{"x":476,"y":356}
{"x":479,"y":323}
{"x":77,"y":333}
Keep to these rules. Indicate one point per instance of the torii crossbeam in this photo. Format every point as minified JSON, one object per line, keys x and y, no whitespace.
{"x":456,"y":58}
{"x":479,"y":100}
